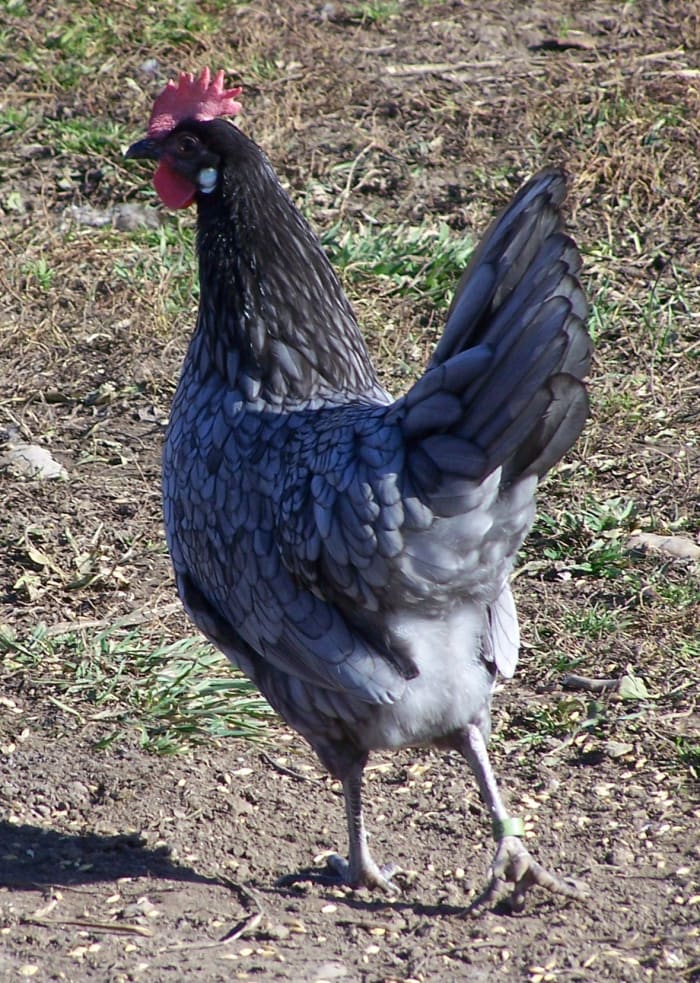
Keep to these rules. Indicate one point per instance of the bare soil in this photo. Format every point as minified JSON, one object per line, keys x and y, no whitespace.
{"x":117,"y":864}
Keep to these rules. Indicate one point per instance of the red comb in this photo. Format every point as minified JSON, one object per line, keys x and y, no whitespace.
{"x":201,"y":99}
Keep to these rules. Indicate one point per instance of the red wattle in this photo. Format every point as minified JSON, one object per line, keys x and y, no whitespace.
{"x":173,"y":190}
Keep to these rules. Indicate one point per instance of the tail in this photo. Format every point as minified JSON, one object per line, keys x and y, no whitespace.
{"x":505,"y":387}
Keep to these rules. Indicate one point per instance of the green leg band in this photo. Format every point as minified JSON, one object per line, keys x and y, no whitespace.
{"x":507,"y":827}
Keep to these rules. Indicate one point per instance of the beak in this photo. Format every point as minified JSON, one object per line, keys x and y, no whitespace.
{"x":147,"y":149}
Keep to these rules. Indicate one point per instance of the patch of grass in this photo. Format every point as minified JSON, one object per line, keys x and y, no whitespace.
{"x":88,"y":35}
{"x":667,"y":311}
{"x":372,"y":11}
{"x":86,"y":136}
{"x":13,"y":118}
{"x":174,"y":695}
{"x":689,"y":755}
{"x":589,"y":541}
{"x":559,"y":720}
{"x":595,"y":622}
{"x":263,"y":69}
{"x":164,"y":259}
{"x":419,"y":261}
{"x":654,"y":314}
{"x":41,"y":272}
{"x":680,"y":595}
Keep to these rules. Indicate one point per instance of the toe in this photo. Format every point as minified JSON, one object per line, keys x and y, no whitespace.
{"x":513,"y":865}
{"x":370,"y":876}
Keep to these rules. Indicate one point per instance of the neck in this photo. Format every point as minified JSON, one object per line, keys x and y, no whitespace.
{"x":273,"y":317}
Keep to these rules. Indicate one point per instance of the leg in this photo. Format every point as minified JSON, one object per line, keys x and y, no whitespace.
{"x":512,"y":862}
{"x":359,"y":870}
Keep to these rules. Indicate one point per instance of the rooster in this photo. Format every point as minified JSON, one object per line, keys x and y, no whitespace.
{"x":349,"y":552}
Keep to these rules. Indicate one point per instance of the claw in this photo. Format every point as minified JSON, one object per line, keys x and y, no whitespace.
{"x":513,"y":864}
{"x":371,"y":875}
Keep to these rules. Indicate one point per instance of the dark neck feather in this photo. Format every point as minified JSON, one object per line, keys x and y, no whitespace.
{"x":273,"y":316}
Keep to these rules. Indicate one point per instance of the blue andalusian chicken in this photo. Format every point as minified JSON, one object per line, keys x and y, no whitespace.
{"x":350,"y":552}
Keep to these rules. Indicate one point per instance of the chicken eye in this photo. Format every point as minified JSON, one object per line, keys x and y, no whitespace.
{"x":188,"y":145}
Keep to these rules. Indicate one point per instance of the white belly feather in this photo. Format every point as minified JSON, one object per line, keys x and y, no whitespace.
{"x":452,"y":688}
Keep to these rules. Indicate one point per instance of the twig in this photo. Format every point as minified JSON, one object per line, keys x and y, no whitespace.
{"x":244,"y":927}
{"x":283,"y":770}
{"x":572,"y":681}
{"x":138,"y":616}
{"x":438,"y":67}
{"x":116,"y":928}
{"x":244,"y":893}
{"x":241,"y":928}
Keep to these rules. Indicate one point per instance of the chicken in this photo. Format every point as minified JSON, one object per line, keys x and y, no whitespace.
{"x":351,"y":553}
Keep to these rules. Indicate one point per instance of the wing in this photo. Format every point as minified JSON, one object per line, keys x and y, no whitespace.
{"x":343,"y":506}
{"x":223,"y":489}
{"x":355,"y":528}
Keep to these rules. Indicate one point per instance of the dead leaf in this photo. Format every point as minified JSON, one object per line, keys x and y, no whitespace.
{"x":633,"y":688}
{"x":618,"y":749}
{"x":679,"y":547}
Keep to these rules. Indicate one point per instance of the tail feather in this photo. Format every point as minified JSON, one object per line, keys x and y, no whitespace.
{"x":504,"y":386}
{"x":555,"y":431}
{"x":498,"y":262}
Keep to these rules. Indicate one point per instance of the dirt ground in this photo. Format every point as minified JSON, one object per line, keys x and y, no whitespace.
{"x":119,"y":864}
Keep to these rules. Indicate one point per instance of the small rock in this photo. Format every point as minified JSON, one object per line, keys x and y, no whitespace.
{"x":78,"y":791}
{"x":32,"y":461}
{"x":675,"y":958}
{"x":129,"y":216}
{"x":150,"y":68}
{"x":94,"y":218}
{"x":620,"y":856}
{"x":274,"y":930}
{"x":329,"y":971}
{"x":679,"y":547}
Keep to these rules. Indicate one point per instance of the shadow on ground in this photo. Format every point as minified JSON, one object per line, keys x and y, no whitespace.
{"x":35,"y":857}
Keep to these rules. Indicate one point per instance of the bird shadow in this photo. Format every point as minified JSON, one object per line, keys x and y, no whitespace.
{"x":34,"y":857}
{"x":324,"y":877}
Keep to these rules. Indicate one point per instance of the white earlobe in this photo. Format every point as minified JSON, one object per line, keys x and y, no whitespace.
{"x":207,"y":178}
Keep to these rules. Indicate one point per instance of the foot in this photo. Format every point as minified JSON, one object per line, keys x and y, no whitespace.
{"x":368,"y":874}
{"x":513,"y":864}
